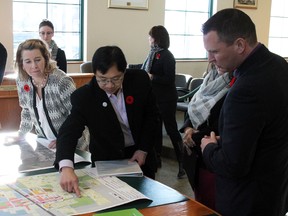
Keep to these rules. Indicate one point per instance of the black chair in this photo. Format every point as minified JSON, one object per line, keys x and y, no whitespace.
{"x":183,"y":101}
{"x":86,"y":67}
{"x":134,"y":66}
{"x":182,"y":82}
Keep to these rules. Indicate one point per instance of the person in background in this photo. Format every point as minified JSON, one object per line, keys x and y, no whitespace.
{"x":249,"y":158}
{"x":3,"y":59}
{"x":160,"y":66}
{"x":44,"y":92}
{"x":46,"y":32}
{"x":203,"y":114}
{"x":119,"y":108}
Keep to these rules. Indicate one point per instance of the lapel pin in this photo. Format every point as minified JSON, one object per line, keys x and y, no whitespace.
{"x":104,"y":104}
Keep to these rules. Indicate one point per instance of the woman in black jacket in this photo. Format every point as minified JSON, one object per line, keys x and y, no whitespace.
{"x":46,"y":32}
{"x":160,"y":65}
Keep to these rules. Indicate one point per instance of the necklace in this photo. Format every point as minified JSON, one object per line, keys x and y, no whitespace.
{"x":42,"y":84}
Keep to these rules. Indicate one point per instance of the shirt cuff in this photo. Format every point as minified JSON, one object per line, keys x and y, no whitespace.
{"x":65,"y":163}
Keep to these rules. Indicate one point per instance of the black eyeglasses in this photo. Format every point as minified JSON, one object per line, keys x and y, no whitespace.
{"x":114,"y":80}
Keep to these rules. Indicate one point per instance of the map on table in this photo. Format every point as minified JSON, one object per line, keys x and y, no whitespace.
{"x":42,"y":195}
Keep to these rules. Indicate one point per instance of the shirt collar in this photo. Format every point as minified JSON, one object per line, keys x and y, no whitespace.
{"x":120,"y":91}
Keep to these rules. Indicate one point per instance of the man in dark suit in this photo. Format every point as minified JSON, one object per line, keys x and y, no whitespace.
{"x":3,"y":59}
{"x":250,"y":159}
{"x":120,"y":111}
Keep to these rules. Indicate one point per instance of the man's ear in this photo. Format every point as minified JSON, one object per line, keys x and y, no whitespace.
{"x":240,"y":45}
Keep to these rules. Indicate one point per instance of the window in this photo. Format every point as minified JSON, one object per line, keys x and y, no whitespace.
{"x":278,"y":34}
{"x":183,"y":20}
{"x":65,"y":16}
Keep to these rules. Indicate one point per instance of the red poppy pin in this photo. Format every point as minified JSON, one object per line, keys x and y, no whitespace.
{"x":26,"y":88}
{"x":158,"y":56}
{"x":129,"y":100}
{"x":232,"y":81}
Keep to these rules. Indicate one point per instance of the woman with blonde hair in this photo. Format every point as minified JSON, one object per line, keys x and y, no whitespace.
{"x":44,"y":91}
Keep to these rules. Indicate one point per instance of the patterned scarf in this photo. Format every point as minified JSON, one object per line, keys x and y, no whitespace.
{"x":213,"y":88}
{"x":149,"y":60}
{"x":53,"y":48}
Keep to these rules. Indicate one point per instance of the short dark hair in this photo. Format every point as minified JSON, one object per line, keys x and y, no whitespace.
{"x":46,"y":22}
{"x":107,"y":56}
{"x":231,"y":24}
{"x":161,"y":36}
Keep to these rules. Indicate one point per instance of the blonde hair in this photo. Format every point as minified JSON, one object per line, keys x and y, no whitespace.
{"x":32,"y":44}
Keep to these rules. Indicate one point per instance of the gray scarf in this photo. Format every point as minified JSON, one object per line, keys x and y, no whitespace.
{"x":53,"y":48}
{"x":149,"y":60}
{"x":213,"y":88}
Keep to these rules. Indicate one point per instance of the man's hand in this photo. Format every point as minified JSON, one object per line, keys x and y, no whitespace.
{"x":207,"y":140}
{"x":69,"y":181}
{"x":140,"y":157}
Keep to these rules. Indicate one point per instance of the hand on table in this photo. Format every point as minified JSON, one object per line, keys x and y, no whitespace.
{"x":69,"y":181}
{"x":139,"y":156}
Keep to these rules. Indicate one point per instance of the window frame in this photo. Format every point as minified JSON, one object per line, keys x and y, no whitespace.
{"x":210,"y":13}
{"x":48,"y":4}
{"x":278,"y":34}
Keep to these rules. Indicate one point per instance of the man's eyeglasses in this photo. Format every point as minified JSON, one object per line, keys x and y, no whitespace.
{"x":114,"y":80}
{"x":47,"y":33}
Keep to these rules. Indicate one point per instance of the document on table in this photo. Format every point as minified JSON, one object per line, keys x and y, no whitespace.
{"x":46,"y":193}
{"x":26,"y":155}
{"x":77,"y":158}
{"x":116,"y":168}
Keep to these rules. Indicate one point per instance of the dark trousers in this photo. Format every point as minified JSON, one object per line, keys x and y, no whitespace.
{"x":168,"y":117}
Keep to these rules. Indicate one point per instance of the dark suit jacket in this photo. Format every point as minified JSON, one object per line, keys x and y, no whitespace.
{"x":61,"y":60}
{"x":251,"y":160}
{"x":91,"y":107}
{"x":3,"y":59}
{"x":163,"y":82}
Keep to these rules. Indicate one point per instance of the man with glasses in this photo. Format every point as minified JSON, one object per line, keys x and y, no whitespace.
{"x":119,"y":108}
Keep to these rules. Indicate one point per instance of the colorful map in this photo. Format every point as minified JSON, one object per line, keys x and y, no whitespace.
{"x":45,"y":192}
{"x":12,"y":203}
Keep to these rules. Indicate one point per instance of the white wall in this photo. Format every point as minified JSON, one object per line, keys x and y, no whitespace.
{"x":129,"y":29}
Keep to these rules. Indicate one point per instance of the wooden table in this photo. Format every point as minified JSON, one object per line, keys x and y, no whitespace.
{"x":186,"y":208}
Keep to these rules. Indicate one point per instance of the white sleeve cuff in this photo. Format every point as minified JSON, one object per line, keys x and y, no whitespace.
{"x":65,"y":163}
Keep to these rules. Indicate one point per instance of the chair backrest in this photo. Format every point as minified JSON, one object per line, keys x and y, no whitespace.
{"x":183,"y":100}
{"x":182,"y":80}
{"x":86,"y":67}
{"x":195,"y":82}
{"x":134,"y":66}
